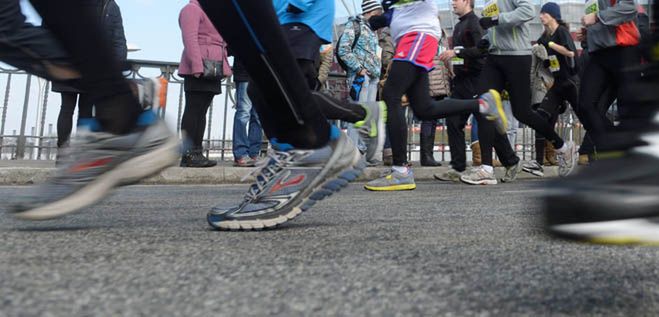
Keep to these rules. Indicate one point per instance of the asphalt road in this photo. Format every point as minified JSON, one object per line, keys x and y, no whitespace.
{"x":443,"y":249}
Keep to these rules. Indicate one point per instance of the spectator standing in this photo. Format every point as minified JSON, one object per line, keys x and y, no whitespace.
{"x":246,"y":139}
{"x":110,"y":16}
{"x":203,"y":48}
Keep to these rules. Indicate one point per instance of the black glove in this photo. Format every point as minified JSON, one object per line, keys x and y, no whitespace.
{"x":377,"y":22}
{"x":293,"y":9}
{"x":546,"y":63}
{"x":488,"y":22}
{"x":483,"y":45}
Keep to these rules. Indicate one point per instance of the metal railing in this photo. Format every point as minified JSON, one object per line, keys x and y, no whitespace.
{"x":41,"y":142}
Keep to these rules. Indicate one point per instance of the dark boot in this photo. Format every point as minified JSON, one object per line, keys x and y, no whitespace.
{"x":196,"y":158}
{"x":427,"y":144}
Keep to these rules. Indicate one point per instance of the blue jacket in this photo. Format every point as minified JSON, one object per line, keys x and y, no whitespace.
{"x":316,"y":14}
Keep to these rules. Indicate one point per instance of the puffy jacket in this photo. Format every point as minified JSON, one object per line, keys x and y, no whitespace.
{"x":364,"y":54}
{"x":440,"y":77}
{"x":316,"y":14}
{"x":511,"y":36}
{"x":114,"y":26}
{"x":541,"y":77}
{"x":615,"y":25}
{"x":200,"y":41}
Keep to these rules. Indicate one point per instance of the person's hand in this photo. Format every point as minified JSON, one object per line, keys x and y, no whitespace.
{"x":446,"y":55}
{"x":483,"y":45}
{"x":197,"y":75}
{"x":363,"y":72}
{"x":581,"y":35}
{"x":589,"y":19}
{"x":488,"y":22}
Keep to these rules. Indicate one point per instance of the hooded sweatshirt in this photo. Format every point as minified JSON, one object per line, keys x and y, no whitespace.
{"x":511,"y":36}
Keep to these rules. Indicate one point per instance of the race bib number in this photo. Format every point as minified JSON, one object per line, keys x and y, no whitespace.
{"x":592,"y":6}
{"x":491,"y":9}
{"x":554,"y":65}
{"x":457,"y":61}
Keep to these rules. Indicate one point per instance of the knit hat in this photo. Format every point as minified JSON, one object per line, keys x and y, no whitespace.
{"x":552,"y":9}
{"x":370,"y":5}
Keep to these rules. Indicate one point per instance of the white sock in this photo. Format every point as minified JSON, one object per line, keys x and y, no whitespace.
{"x":488,"y":168}
{"x":400,"y":169}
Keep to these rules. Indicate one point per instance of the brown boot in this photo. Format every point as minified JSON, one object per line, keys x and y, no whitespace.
{"x":476,"y":154}
{"x":584,"y":159}
{"x":550,"y":154}
{"x":387,"y":157}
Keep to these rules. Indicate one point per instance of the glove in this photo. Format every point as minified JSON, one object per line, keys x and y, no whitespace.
{"x":483,"y":45}
{"x":377,"y":22}
{"x":293,"y":9}
{"x":488,"y":22}
{"x":356,"y":87}
{"x":546,"y":63}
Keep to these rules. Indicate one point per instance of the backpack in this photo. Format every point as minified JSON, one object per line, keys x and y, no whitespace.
{"x":358,"y":30}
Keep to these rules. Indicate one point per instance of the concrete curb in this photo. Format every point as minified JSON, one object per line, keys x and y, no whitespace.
{"x":222,"y":175}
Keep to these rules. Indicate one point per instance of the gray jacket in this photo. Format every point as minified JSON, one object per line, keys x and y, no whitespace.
{"x":603,"y":33}
{"x":511,"y":36}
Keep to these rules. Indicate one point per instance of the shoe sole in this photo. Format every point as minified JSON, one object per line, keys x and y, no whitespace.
{"x":333,"y":185}
{"x":391,"y":188}
{"x":126,"y":173}
{"x":502,"y":113}
{"x":485,"y":182}
{"x":447,"y":179}
{"x":617,"y":232}
{"x":533,"y":172}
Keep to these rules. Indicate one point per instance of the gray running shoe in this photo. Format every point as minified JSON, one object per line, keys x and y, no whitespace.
{"x":393,"y":181}
{"x":478,"y":176}
{"x":534,"y":168}
{"x":492,"y":108}
{"x":449,"y":176}
{"x":289,"y":183}
{"x":97,"y":163}
{"x":567,"y":160}
{"x":512,"y":172}
{"x":372,"y":128}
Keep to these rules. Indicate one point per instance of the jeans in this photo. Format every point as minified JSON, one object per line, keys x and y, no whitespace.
{"x":368,"y":93}
{"x":246,"y":141}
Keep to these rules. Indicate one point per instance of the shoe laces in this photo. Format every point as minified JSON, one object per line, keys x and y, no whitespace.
{"x":266,"y":169}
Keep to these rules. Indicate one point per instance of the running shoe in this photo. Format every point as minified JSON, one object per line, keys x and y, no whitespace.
{"x":479,"y":176}
{"x":289,"y":182}
{"x":449,"y":176}
{"x":393,"y":181}
{"x":97,"y":163}
{"x":512,"y":172}
{"x":534,"y":168}
{"x":567,"y":160}
{"x":491,"y":107}
{"x":372,"y":128}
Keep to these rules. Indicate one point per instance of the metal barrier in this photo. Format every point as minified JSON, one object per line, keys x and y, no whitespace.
{"x":41,"y":144}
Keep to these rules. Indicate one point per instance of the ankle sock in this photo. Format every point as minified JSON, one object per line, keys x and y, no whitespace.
{"x":488,"y":168}
{"x":400,"y":169}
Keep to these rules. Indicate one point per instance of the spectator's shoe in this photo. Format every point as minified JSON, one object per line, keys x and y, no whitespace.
{"x":98,"y":163}
{"x":567,"y":160}
{"x":534,"y":168}
{"x":387,"y":157}
{"x":372,"y":128}
{"x":244,"y":161}
{"x":196,"y":159}
{"x":512,"y":172}
{"x":393,"y":181}
{"x":290,"y":182}
{"x":449,"y":176}
{"x":584,"y":159}
{"x":611,"y":201}
{"x":491,"y":107}
{"x":478,"y":176}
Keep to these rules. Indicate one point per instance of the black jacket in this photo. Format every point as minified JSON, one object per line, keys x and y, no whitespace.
{"x":467,"y":33}
{"x":114,"y":26}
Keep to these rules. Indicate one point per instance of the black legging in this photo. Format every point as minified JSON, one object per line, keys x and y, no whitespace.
{"x":279,"y":91}
{"x":605,"y":68}
{"x":65,"y":118}
{"x":74,"y":28}
{"x":552,"y":105}
{"x":512,"y":73}
{"x":193,"y":121}
{"x":406,"y":78}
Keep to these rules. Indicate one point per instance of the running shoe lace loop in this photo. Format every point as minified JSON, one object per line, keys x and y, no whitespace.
{"x":265,"y":169}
